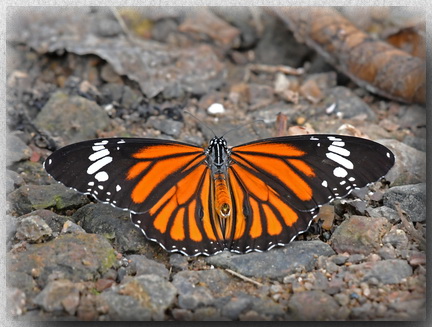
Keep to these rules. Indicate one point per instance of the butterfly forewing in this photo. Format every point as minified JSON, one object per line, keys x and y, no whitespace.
{"x":282,"y":182}
{"x":129,"y":173}
{"x":312,"y":170}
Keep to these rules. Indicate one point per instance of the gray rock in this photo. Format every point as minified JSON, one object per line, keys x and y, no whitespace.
{"x":140,"y":265}
{"x":131,"y":98}
{"x":13,"y":179}
{"x":349,"y":104}
{"x":178,"y":261}
{"x":270,"y":310}
{"x":410,"y":165}
{"x":56,"y":293}
{"x":125,"y":308}
{"x":33,"y":197}
{"x":53,"y":220}
{"x":387,"y":271}
{"x":113,"y":223}
{"x":390,"y":214}
{"x":314,"y":305}
{"x":17,"y":150}
{"x":33,"y":229}
{"x":397,"y":238}
{"x":166,"y":126}
{"x":22,"y":281}
{"x":236,"y":305}
{"x":387,"y":252}
{"x":201,"y":288}
{"x":415,"y":142}
{"x":77,"y":257}
{"x":112,"y":92}
{"x":16,"y":300}
{"x":153,"y":65}
{"x":359,"y":234}
{"x":74,"y":118}
{"x":144,"y":297}
{"x":411,"y":198}
{"x":339,"y":259}
{"x":70,"y":227}
{"x":277,"y":263}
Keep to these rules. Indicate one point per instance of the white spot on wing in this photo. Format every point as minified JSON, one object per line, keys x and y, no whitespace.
{"x":324,"y":183}
{"x":342,"y":151}
{"x":332,"y":138}
{"x":118,"y":188}
{"x":102,"y":176}
{"x":94,"y":167}
{"x":340,"y":160}
{"x":101,"y":142}
{"x":121,"y":141}
{"x":340,"y":172}
{"x":98,"y":154}
{"x":98,"y":147}
{"x":339,"y":143}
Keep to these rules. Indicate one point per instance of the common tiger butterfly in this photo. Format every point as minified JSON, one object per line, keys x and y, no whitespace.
{"x":251,"y":197}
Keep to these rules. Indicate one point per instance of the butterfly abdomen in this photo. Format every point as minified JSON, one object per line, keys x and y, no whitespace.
{"x":222,"y":196}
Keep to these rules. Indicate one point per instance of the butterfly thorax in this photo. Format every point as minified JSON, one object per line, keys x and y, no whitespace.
{"x":218,"y":162}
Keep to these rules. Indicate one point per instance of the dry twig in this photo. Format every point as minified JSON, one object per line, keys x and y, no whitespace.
{"x":246,"y":279}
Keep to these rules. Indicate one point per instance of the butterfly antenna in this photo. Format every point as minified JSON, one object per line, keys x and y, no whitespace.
{"x":200,"y":121}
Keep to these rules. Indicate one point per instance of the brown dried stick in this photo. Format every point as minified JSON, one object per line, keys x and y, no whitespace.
{"x":372,"y":64}
{"x":247,"y":279}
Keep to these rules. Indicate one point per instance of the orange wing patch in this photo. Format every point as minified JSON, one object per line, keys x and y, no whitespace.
{"x":274,"y":227}
{"x":158,"y":151}
{"x":288,"y":214}
{"x":270,"y":148}
{"x":162,"y":219}
{"x":137,"y":169}
{"x":194,"y":231}
{"x":282,"y":172}
{"x":256,"y":228}
{"x":177,"y":231}
{"x":239,"y":215}
{"x":156,"y":174}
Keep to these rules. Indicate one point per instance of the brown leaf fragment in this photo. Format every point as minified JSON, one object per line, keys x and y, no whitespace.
{"x":375,"y":65}
{"x":311,"y":91}
{"x":207,"y":23}
{"x":410,"y":39}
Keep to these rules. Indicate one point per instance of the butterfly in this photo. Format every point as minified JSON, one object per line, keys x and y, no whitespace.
{"x":194,"y":200}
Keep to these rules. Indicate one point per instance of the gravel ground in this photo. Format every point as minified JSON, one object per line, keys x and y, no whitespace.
{"x":75,"y":76}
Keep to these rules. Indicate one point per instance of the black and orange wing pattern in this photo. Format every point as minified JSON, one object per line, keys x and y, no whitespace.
{"x":279,"y":184}
{"x":270,"y":189}
{"x":165,"y":185}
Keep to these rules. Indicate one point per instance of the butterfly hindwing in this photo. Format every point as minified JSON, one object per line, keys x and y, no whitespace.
{"x":264,"y":217}
{"x":183,"y":220}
